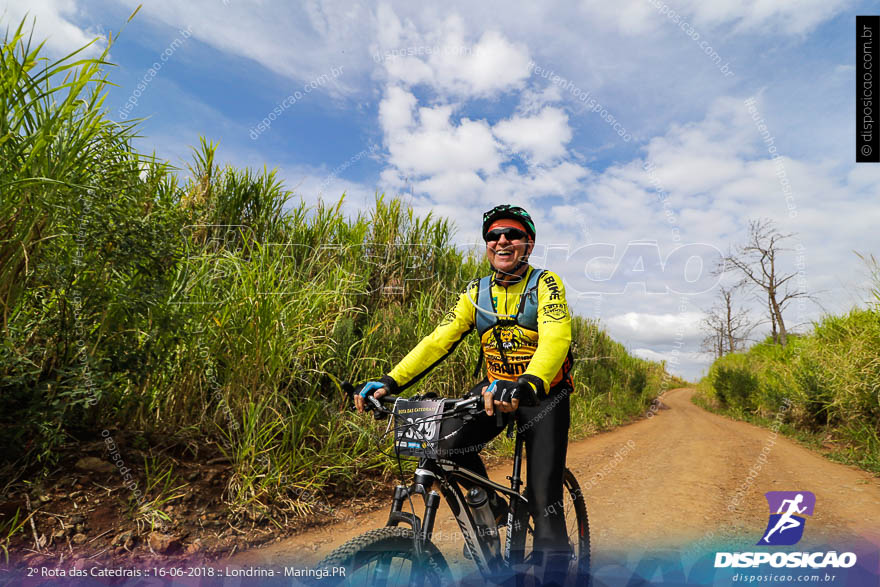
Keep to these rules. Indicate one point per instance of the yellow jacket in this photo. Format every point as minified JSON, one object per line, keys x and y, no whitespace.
{"x":510,"y":350}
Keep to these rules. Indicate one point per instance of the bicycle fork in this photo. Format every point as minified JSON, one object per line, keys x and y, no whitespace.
{"x":422,"y":529}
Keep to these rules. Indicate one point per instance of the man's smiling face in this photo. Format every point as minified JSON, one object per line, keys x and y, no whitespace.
{"x":507,"y":243}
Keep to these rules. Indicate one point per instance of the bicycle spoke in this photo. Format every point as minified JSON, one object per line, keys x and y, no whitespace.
{"x":380,"y":572}
{"x":417,"y":575}
{"x":388,"y":570}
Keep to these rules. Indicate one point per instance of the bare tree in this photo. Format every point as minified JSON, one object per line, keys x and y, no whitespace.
{"x":757,"y":261}
{"x":714,"y":328}
{"x":773,"y":331}
{"x":727,"y":327}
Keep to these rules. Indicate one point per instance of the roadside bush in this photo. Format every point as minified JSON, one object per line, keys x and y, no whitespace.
{"x":831,"y":376}
{"x":735,"y":387}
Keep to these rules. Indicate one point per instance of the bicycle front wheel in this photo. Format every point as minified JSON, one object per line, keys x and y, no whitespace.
{"x":384,"y":557}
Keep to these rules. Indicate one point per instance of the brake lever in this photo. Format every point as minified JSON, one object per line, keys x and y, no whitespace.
{"x":378,"y":412}
{"x":369,"y":406}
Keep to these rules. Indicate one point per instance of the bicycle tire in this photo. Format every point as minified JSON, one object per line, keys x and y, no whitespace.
{"x":382,"y":543}
{"x":579,"y":536}
{"x":582,"y":565}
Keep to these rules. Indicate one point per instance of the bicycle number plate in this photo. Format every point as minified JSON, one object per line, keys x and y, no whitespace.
{"x":417,"y":427}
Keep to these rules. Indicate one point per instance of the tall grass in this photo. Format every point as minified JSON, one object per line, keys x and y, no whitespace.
{"x":87,"y":239}
{"x":831,"y":376}
{"x":218,"y":310}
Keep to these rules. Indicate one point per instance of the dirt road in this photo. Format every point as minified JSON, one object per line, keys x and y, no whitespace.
{"x":674,"y":480}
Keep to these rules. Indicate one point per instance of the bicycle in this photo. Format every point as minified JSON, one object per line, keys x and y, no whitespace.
{"x":369,"y":558}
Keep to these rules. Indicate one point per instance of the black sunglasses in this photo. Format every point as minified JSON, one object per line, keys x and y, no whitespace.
{"x":510,"y":232}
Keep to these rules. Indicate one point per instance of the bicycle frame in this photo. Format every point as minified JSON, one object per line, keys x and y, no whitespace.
{"x":449,"y":475}
{"x":415,"y":435}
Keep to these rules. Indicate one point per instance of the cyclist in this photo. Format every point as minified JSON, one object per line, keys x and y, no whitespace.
{"x":523,"y":321}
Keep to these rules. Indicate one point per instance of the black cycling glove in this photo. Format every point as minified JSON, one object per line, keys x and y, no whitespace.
{"x":507,"y":391}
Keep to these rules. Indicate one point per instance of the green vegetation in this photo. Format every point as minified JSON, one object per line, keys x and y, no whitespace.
{"x":8,"y":529}
{"x":214,"y":314}
{"x":831,"y":377}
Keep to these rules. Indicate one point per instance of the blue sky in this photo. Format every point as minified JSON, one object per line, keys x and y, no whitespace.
{"x":446,"y":103}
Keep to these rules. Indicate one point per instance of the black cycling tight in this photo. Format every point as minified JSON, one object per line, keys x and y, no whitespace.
{"x":545,"y":430}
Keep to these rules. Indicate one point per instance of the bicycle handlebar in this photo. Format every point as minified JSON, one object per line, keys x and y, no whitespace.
{"x":459,"y":406}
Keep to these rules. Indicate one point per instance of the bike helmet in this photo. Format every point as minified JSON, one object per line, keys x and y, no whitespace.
{"x":508,"y":211}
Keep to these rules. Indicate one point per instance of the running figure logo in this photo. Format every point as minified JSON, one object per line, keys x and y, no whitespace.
{"x":786,"y":525}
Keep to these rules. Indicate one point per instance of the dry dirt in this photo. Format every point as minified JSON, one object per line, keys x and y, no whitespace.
{"x":661,"y":483}
{"x":672,"y":488}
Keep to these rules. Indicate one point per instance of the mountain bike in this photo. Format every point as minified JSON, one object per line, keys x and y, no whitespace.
{"x":402,"y":553}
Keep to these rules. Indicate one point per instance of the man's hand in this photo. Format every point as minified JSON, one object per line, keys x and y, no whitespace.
{"x":374,"y":388}
{"x":508,"y":395}
{"x":489,"y":402}
{"x":505,"y":395}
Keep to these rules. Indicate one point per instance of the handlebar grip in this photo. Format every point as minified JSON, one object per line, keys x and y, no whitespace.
{"x":370,"y":403}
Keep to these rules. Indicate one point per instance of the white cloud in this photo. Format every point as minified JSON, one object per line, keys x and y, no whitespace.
{"x":445,"y":60}
{"x":494,"y":64}
{"x":630,"y":17}
{"x":689,"y":365}
{"x":303,"y":40}
{"x":452,"y":186}
{"x":764,"y":15}
{"x":446,"y":158}
{"x":434,"y":144}
{"x":300,"y":41}
{"x":54,"y":23}
{"x":409,"y":70}
{"x":654,"y":329}
{"x":635,"y":17}
{"x":532,"y":100}
{"x":396,"y":110}
{"x":543,"y":137}
{"x":485,"y":46}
